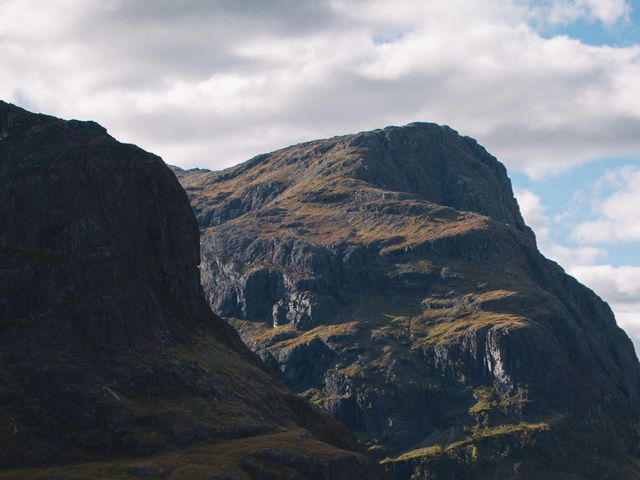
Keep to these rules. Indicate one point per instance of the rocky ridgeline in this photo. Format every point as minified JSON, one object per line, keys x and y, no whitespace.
{"x":389,"y":278}
{"x":112,"y":364}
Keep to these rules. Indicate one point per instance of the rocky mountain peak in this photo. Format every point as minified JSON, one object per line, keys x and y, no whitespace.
{"x":112,"y":364}
{"x":388,"y":277}
{"x":437,"y":164}
{"x":422,"y":162}
{"x":17,"y":121}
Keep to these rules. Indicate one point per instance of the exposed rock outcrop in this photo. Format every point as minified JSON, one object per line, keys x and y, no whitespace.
{"x":389,"y":277}
{"x":112,"y":364}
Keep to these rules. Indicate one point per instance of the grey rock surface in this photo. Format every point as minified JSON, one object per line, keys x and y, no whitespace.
{"x":388,"y":277}
{"x":109,"y":351}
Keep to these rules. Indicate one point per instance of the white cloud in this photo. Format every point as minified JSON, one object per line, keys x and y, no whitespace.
{"x":608,"y":11}
{"x":618,"y":285}
{"x":533,"y":211}
{"x":535,"y":215}
{"x":605,"y":11}
{"x":212,"y":83}
{"x":616,"y":215}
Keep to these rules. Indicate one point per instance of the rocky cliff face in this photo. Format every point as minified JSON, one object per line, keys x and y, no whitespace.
{"x":112,"y":364}
{"x":388,"y":277}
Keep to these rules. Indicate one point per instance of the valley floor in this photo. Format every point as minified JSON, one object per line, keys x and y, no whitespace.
{"x":274,"y":456}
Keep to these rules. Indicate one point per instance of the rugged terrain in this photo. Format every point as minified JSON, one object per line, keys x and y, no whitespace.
{"x":112,"y":364}
{"x":389,"y":278}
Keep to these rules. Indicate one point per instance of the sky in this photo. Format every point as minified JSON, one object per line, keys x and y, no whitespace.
{"x":550,"y":87}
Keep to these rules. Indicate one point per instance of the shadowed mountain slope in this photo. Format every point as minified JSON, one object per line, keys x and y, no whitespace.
{"x":388,"y":277}
{"x":112,"y":364}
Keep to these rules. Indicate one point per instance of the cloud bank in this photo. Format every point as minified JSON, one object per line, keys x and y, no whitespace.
{"x":211,"y":83}
{"x":617,"y":214}
{"x":613,"y":221}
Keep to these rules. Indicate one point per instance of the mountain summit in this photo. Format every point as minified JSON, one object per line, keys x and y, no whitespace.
{"x":112,"y":364}
{"x":389,"y":278}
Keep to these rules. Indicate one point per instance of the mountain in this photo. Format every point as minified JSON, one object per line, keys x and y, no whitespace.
{"x":389,"y":278}
{"x":112,"y":364}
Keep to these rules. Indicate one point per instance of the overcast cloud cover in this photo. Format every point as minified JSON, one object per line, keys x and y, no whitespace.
{"x":211,"y":83}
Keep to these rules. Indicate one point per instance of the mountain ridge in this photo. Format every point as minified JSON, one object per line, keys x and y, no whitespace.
{"x":112,"y":364}
{"x":388,"y":277}
{"x":384,"y":135}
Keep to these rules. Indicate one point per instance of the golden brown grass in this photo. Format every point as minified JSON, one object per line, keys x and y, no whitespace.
{"x":520,"y":428}
{"x":196,"y":463}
